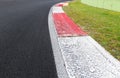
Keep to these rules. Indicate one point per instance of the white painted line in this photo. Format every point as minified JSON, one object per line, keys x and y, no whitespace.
{"x":57,"y":9}
{"x":83,"y":58}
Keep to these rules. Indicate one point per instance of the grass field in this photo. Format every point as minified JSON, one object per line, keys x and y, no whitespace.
{"x":103,"y":25}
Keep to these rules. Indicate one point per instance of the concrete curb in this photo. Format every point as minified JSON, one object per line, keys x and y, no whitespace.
{"x":60,"y":64}
{"x":79,"y":56}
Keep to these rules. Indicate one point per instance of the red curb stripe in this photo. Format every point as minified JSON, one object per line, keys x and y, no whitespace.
{"x":65,"y":26}
{"x":59,"y":5}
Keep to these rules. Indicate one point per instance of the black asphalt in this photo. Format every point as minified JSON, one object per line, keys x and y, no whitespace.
{"x":25,"y":47}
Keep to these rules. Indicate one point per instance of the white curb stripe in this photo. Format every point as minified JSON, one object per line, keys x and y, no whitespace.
{"x":105,"y":53}
{"x":57,"y":10}
{"x":83,"y":58}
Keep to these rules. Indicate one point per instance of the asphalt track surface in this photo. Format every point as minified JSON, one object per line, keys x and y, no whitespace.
{"x":25,"y":47}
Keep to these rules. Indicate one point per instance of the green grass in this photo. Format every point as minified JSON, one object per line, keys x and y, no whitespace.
{"x":103,"y":25}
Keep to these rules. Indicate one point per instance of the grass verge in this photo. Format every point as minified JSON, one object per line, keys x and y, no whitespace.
{"x":103,"y":25}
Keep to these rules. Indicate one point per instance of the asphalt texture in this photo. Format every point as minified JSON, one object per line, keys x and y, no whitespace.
{"x":25,"y":46}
